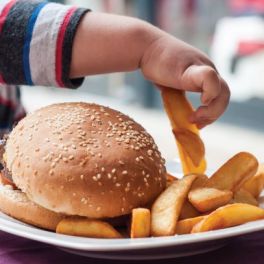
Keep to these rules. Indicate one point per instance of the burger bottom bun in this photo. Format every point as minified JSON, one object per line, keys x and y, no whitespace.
{"x":17,"y":205}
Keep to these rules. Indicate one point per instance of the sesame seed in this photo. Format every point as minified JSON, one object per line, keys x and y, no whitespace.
{"x":124,"y":172}
{"x":71,"y":157}
{"x":109,"y":175}
{"x":121,"y":162}
{"x":51,"y":172}
{"x":150,"y":152}
{"x":118,"y":184}
{"x":137,"y":159}
{"x":102,"y":169}
{"x":94,"y":178}
{"x":98,"y":176}
{"x":113,"y":170}
{"x":82,"y":176}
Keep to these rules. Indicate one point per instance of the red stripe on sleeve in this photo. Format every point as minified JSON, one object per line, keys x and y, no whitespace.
{"x":5,"y":13}
{"x":59,"y":46}
{"x":3,"y":17}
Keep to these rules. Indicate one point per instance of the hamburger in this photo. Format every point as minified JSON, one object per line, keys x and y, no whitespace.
{"x":78,"y":159}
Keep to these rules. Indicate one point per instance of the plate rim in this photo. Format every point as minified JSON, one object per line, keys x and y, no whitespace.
{"x":97,"y":244}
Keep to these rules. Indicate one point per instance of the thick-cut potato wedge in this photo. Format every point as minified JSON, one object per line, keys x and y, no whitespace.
{"x":229,"y":215}
{"x":243,"y":196}
{"x":170,"y":179}
{"x":234,"y":172}
{"x":187,"y":164}
{"x":140,"y":223}
{"x":207,"y":199}
{"x":255,"y":184}
{"x":166,"y":209}
{"x":188,"y":211}
{"x":185,"y":226}
{"x":192,"y":144}
{"x":86,"y":228}
{"x":179,"y":110}
{"x":200,"y":181}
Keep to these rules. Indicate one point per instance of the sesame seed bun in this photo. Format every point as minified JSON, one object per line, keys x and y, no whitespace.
{"x":86,"y":160}
{"x":16,"y":204}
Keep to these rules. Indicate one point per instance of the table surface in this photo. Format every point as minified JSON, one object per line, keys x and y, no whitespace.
{"x":15,"y":250}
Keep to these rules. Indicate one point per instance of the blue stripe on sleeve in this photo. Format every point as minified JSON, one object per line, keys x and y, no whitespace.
{"x":28,"y":38}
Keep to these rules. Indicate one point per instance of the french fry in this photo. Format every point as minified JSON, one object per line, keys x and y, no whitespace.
{"x":192,"y":144}
{"x":166,"y":209}
{"x":234,"y":172}
{"x":228,"y":216}
{"x":86,"y":228}
{"x":179,"y":110}
{"x":255,"y":184}
{"x":207,"y":199}
{"x":200,"y":181}
{"x":185,"y":226}
{"x":188,"y":211}
{"x":140,"y":223}
{"x":170,"y":179}
{"x":243,"y":196}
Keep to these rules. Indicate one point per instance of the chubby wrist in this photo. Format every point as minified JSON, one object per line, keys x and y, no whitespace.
{"x":145,"y":34}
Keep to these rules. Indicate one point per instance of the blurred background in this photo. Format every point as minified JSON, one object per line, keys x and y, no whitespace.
{"x":231,"y":32}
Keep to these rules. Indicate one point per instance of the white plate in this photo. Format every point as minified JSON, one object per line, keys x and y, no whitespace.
{"x":145,"y":248}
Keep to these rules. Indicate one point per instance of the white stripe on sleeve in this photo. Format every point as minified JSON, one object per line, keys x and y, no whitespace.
{"x":42,"y":55}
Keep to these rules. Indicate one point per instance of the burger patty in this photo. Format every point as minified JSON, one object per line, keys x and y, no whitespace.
{"x":5,"y":172}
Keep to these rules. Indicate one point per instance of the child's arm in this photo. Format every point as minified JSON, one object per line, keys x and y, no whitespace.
{"x":109,"y":43}
{"x":50,"y":44}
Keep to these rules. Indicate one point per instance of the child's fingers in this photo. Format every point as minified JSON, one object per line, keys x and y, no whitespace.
{"x":207,"y":114}
{"x":204,"y":79}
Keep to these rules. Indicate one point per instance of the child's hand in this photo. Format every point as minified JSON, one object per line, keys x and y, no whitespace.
{"x":172,"y":63}
{"x":109,"y":43}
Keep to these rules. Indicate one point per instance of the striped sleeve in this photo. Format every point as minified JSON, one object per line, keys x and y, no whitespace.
{"x":36,"y":39}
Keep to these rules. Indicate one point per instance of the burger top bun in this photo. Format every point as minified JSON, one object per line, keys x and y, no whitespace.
{"x":85,"y":159}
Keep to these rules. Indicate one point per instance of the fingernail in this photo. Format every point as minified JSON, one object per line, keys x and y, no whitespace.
{"x":201,"y":125}
{"x":191,"y":119}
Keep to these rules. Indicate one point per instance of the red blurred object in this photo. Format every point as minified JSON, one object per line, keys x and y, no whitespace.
{"x":256,"y":6}
{"x":249,"y":47}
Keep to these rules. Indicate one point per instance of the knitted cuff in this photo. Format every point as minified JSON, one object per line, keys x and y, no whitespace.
{"x":36,"y":39}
